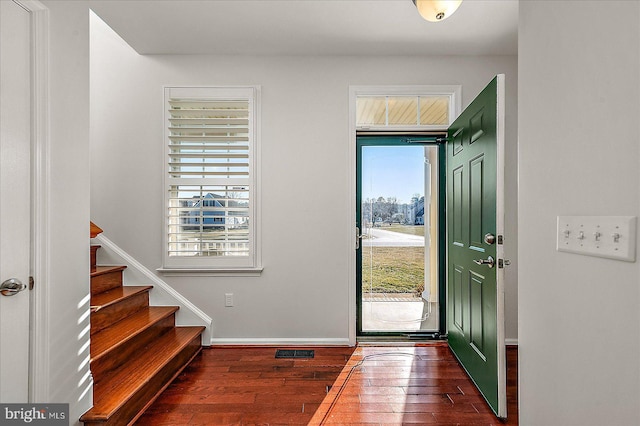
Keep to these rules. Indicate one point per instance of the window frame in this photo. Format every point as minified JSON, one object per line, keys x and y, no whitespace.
{"x":215,"y":265}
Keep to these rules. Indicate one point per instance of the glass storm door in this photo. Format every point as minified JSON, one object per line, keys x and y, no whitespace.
{"x":475,"y":218}
{"x":397,"y":217}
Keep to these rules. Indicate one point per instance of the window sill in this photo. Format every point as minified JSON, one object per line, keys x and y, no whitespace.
{"x":222,"y":272}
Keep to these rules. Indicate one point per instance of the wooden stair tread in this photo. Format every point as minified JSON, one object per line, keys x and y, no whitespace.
{"x":127,"y":328}
{"x":122,"y":384}
{"x":94,"y":230}
{"x":101,"y":270}
{"x":108,"y":298}
{"x":136,"y":349}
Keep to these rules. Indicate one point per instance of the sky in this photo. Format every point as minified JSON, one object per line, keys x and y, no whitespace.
{"x":392,"y":171}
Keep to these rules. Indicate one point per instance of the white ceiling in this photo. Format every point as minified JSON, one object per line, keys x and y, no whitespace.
{"x":310,"y":27}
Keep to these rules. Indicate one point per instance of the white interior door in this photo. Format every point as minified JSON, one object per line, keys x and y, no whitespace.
{"x":15,"y":199}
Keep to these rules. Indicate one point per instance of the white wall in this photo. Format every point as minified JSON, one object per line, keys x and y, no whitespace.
{"x":67,"y":284}
{"x":303,"y":292}
{"x":579,"y":107}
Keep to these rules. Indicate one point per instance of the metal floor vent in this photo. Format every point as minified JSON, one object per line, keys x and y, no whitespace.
{"x":294,"y":353}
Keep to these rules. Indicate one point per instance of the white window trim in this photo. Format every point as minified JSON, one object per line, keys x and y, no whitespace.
{"x":454,"y":92}
{"x":171,"y":267}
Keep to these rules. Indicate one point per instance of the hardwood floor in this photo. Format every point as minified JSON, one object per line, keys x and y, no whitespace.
{"x":423,"y":384}
{"x":367,"y":385}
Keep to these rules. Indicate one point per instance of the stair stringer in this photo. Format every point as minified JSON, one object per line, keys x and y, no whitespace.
{"x":162,"y":293}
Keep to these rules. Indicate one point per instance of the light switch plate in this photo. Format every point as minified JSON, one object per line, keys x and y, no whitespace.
{"x":613,"y":237}
{"x":228,"y":300}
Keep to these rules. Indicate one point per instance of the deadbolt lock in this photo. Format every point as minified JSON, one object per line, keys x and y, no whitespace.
{"x":490,"y":239}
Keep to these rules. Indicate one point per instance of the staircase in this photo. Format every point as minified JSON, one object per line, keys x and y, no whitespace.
{"x":136,"y":349}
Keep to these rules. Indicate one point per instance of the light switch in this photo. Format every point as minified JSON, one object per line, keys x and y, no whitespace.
{"x":613,"y":237}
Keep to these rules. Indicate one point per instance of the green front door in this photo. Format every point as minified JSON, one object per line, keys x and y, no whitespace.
{"x":475,"y":314}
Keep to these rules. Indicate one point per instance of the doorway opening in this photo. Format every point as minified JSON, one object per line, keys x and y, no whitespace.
{"x":475,"y":228}
{"x":400,"y":218}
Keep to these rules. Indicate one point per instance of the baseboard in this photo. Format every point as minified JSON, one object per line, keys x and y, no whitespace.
{"x":219,"y":341}
{"x":275,"y":341}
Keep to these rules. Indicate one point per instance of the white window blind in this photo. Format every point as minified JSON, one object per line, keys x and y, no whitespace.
{"x":210,"y":178}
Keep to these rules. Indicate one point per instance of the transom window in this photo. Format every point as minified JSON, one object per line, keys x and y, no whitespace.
{"x":402,"y":110}
{"x":210,"y":178}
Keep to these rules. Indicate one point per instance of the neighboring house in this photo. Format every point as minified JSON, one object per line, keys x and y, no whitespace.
{"x":202,"y":213}
{"x":577,"y":321}
{"x":417,"y":211}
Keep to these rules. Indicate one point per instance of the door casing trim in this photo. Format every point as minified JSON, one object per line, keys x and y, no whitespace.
{"x":384,"y":90}
{"x":39,"y":384}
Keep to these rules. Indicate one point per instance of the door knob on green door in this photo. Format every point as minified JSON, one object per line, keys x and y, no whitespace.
{"x":490,"y":261}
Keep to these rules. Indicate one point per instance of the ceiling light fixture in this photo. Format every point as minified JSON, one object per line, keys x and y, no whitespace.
{"x":436,"y":10}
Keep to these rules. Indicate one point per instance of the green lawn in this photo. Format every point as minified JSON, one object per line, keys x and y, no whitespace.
{"x":393,"y":269}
